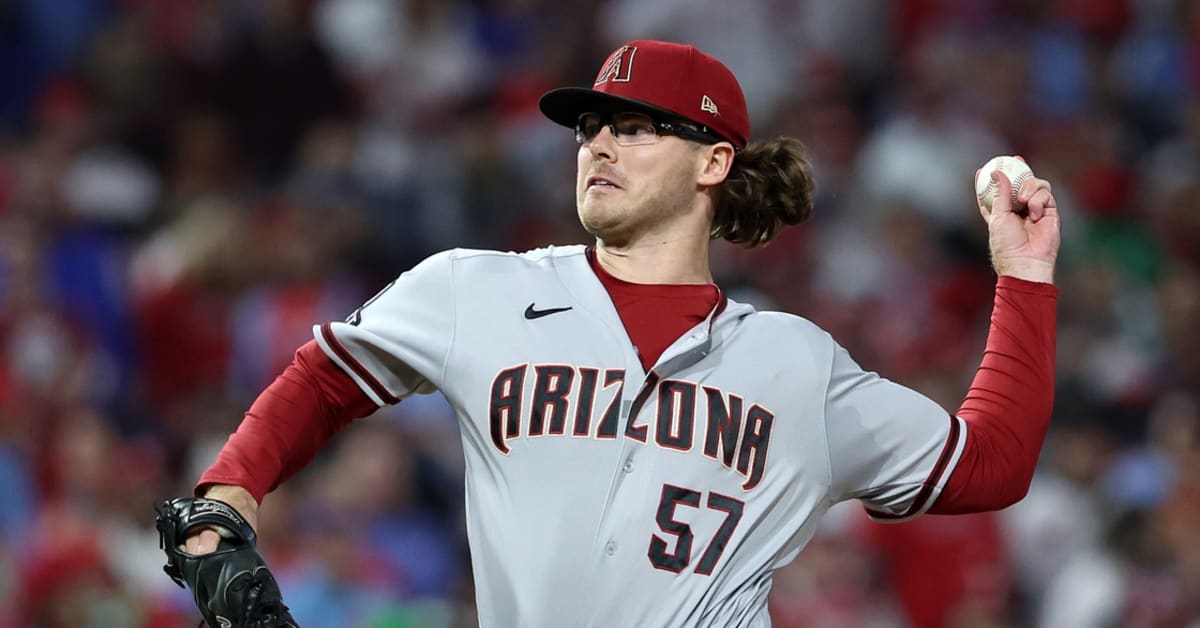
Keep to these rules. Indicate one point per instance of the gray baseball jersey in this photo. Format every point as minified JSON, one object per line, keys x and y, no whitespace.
{"x":601,"y":495}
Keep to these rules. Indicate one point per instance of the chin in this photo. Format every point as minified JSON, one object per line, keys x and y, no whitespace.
{"x":590,"y":215}
{"x":598,"y":222}
{"x":594,"y":227}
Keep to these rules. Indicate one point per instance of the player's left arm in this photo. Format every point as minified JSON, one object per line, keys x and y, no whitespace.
{"x":1008,"y":407}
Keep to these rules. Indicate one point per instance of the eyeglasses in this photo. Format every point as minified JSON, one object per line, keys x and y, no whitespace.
{"x":637,"y":129}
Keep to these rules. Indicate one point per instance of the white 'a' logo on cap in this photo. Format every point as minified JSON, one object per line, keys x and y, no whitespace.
{"x":619,"y":66}
{"x":707,"y":104}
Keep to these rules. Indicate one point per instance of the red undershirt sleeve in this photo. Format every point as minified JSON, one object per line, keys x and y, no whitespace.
{"x":293,"y":418}
{"x":1008,"y":407}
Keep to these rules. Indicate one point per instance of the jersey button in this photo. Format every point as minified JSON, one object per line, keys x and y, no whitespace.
{"x":611,"y":548}
{"x":628,"y":466}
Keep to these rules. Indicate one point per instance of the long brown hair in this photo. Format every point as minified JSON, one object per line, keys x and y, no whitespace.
{"x":769,"y":185}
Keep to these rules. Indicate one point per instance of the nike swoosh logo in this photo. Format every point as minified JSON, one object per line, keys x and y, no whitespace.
{"x":531,"y":313}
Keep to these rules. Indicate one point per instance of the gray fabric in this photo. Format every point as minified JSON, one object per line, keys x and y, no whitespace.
{"x":562,"y":525}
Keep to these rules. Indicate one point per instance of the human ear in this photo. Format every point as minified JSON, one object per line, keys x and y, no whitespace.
{"x":717,"y":159}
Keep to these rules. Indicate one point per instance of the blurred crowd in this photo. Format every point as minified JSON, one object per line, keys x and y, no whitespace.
{"x":186,"y":186}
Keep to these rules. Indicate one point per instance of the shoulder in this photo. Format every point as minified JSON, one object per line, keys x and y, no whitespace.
{"x":472,"y":268}
{"x":777,"y":322}
{"x":782,"y":330}
{"x":545,"y":256}
{"x":483,"y":264}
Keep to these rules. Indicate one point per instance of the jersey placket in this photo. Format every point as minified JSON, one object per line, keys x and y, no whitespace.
{"x":686,"y":351}
{"x":588,"y":289}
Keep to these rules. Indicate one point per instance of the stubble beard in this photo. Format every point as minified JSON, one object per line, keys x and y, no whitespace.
{"x":606,"y":219}
{"x":619,"y":221}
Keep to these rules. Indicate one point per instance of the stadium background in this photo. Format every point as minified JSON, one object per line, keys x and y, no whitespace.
{"x":187,"y":185}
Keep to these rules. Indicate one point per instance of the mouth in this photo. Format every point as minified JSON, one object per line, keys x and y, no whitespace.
{"x":600,"y":182}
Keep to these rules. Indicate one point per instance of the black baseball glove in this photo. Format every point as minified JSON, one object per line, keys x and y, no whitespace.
{"x":232,"y":586}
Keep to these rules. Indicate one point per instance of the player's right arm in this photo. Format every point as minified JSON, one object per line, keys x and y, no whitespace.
{"x":206,"y":539}
{"x":291,"y":421}
{"x":394,"y":345}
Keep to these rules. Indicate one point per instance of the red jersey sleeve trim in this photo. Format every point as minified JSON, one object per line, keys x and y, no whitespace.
{"x":385,"y":397}
{"x":932,"y":487}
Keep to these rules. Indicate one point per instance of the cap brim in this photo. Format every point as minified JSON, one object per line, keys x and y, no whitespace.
{"x":565,"y":104}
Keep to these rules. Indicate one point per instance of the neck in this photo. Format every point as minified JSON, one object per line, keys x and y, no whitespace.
{"x":657,"y":260}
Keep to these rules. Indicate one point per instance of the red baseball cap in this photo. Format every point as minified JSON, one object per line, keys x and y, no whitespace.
{"x":659,"y":77}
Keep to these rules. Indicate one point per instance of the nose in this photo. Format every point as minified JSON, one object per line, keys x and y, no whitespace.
{"x":603,"y":146}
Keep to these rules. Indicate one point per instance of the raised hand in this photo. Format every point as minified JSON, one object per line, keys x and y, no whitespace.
{"x":1023,"y":238}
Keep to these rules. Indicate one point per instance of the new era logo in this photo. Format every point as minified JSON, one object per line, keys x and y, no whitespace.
{"x":707,"y":104}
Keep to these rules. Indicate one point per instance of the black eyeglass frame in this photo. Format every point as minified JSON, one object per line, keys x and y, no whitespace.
{"x":685,"y":129}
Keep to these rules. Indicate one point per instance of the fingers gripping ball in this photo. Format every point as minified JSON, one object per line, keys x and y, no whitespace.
{"x":232,"y":586}
{"x":1018,"y":173}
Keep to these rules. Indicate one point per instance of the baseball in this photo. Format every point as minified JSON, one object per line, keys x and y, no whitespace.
{"x":1018,"y":172}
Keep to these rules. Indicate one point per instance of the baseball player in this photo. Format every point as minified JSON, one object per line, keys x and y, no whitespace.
{"x":640,"y":449}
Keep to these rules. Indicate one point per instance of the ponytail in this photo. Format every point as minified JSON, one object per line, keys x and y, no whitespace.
{"x":770,"y":185}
